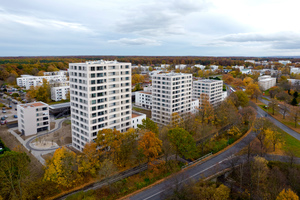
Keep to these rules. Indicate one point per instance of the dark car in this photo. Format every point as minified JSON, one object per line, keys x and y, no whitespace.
{"x":16,"y":109}
{"x":15,"y":116}
{"x":2,"y":118}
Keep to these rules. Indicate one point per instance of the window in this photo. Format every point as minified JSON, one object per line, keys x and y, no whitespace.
{"x":92,"y":68}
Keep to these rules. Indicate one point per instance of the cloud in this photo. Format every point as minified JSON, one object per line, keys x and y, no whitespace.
{"x":160,"y":18}
{"x":136,"y":41}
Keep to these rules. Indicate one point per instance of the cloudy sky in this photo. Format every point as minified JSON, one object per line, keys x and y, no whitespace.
{"x":150,"y":27}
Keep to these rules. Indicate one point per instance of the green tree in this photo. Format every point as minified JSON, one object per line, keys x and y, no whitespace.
{"x":148,"y":124}
{"x":242,"y":98}
{"x":294,"y":102}
{"x":183,"y":142}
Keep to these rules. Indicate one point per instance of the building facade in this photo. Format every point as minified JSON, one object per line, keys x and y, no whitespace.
{"x":27,"y":80}
{"x":266,"y":82}
{"x":143,"y":99}
{"x":63,"y":73}
{"x":171,"y":93}
{"x":33,"y":118}
{"x":100,"y":96}
{"x":60,"y":93}
{"x":137,"y":118}
{"x":210,"y":89}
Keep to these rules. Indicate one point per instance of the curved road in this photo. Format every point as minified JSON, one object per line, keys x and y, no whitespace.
{"x":208,"y":168}
{"x":28,"y":146}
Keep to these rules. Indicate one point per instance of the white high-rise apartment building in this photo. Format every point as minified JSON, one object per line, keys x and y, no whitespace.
{"x":171,"y":93}
{"x":210,"y":89}
{"x":100,"y":94}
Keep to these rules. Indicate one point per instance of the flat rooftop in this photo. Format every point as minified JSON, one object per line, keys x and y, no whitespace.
{"x":172,"y":74}
{"x":207,"y":81}
{"x":144,"y":92}
{"x":35,"y":104}
{"x":100,"y":62}
{"x":135,"y":114}
{"x":60,"y":105}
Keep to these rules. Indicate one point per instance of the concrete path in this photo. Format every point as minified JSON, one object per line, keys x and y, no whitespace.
{"x":38,"y":152}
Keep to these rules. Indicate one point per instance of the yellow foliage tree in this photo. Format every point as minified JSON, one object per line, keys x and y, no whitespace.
{"x":61,"y":168}
{"x":287,"y":195}
{"x":248,"y":80}
{"x":273,"y":139}
{"x":89,"y":161}
{"x":251,"y":89}
{"x":150,"y":145}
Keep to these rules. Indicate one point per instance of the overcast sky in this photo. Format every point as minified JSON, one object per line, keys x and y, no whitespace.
{"x":150,"y":27}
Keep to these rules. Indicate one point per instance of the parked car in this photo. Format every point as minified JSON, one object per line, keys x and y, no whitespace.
{"x":2,"y":118}
{"x":3,"y":108}
{"x":2,"y":122}
{"x":5,"y":116}
{"x":3,"y":111}
{"x":10,"y":106}
{"x":15,"y":116}
{"x":16,"y":109}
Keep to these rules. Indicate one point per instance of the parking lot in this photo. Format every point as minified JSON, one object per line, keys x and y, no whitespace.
{"x":9,"y":112}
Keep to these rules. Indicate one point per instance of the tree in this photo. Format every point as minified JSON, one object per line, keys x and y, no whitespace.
{"x":284,"y":108}
{"x":43,"y":92}
{"x":62,"y":168}
{"x":107,"y":169}
{"x":228,"y":78}
{"x":137,"y":78}
{"x":238,"y":82}
{"x":183,"y":142}
{"x":287,"y":194}
{"x":150,"y":145}
{"x":248,"y":115}
{"x":13,"y":174}
{"x":89,"y":161}
{"x":294,"y":102}
{"x":252,"y":88}
{"x":148,"y":124}
{"x":283,"y":96}
{"x":273,"y":104}
{"x":273,"y":91}
{"x":295,"y":114}
{"x":273,"y":138}
{"x":242,"y":98}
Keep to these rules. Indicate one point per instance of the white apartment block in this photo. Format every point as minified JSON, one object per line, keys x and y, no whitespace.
{"x":100,"y":99}
{"x":195,"y":106}
{"x":202,"y":67}
{"x":137,"y":118}
{"x":61,"y":72}
{"x":294,"y":81}
{"x":210,"y":89}
{"x":181,"y":66}
{"x":27,"y":80}
{"x":33,"y":118}
{"x":59,"y":93}
{"x":214,"y":67}
{"x":284,"y":62}
{"x":171,"y":93}
{"x":294,"y":70}
{"x":266,"y":82}
{"x":143,"y":99}
{"x":238,"y":67}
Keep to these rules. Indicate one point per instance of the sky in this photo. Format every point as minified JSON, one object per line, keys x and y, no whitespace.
{"x":150,"y":27}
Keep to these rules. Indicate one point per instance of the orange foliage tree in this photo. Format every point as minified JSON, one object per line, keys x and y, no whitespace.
{"x":150,"y":145}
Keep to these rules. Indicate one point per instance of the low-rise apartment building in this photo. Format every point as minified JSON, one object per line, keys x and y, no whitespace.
{"x":171,"y":93}
{"x":33,"y":118}
{"x":137,"y":118}
{"x":143,"y":99}
{"x":28,"y":80}
{"x":60,"y":93}
{"x":210,"y":89}
{"x":61,"y":72}
{"x":266,"y":82}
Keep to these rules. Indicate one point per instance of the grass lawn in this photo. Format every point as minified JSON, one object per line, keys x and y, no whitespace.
{"x":290,"y":143}
{"x":147,"y":112}
{"x":57,"y":102}
{"x":265,"y":98}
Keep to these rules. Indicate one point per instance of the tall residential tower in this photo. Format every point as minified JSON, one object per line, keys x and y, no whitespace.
{"x":100,"y":95}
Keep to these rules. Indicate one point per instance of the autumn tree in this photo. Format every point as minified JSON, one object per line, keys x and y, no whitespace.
{"x":239,"y":98}
{"x":273,"y":139}
{"x":107,"y":169}
{"x":148,"y":124}
{"x":89,"y":161}
{"x":183,"y":142}
{"x":294,"y":114}
{"x":150,"y":145}
{"x":248,"y":80}
{"x":228,"y":78}
{"x":14,"y":174}
{"x":248,"y":115}
{"x":273,"y":91}
{"x":251,"y":89}
{"x":43,"y":92}
{"x":238,"y":82}
{"x":62,"y":168}
{"x":287,"y":194}
{"x":273,"y":104}
{"x":137,"y":78}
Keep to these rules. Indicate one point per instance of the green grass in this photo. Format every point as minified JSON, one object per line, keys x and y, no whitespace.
{"x":290,"y":142}
{"x":2,"y":105}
